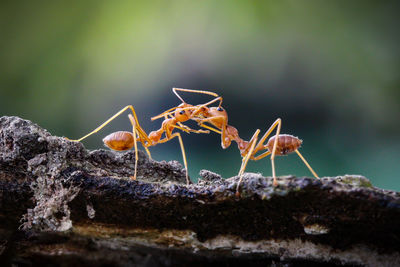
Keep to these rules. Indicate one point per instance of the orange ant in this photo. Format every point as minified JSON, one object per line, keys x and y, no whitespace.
{"x":280,"y":144}
{"x":173,"y":118}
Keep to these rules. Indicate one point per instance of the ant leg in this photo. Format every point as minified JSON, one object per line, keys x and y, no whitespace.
{"x":183,"y":127}
{"x":188,"y":129}
{"x":260,"y":146}
{"x":191,"y":91}
{"x":199,"y":107}
{"x":245,"y":160}
{"x":135,"y":142}
{"x":142,"y":133}
{"x":306,"y":163}
{"x":210,"y":128}
{"x":148,"y":152}
{"x":166,"y":139}
{"x":261,"y":156}
{"x":172,"y":110}
{"x":167,"y":112}
{"x":196,"y":109}
{"x":267,"y":133}
{"x":275,"y":183}
{"x":223,"y":128}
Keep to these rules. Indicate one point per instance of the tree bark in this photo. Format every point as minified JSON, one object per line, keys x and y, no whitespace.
{"x":63,"y":205}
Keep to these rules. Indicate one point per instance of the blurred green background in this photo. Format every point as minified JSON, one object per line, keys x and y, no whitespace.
{"x":329,"y":69}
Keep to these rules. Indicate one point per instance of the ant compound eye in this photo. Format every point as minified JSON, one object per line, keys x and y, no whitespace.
{"x":220,"y":109}
{"x":182,"y":112}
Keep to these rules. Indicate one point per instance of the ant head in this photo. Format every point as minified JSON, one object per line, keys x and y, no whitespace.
{"x":218,"y":111}
{"x":183,"y":112}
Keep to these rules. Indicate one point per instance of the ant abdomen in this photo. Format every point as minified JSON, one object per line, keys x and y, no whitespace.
{"x":286,"y":144}
{"x":120,"y":141}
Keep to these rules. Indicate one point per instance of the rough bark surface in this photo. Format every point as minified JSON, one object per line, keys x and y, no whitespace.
{"x":61,"y":204}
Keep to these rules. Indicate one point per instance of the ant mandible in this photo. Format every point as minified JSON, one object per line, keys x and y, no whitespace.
{"x":173,"y":118}
{"x":280,"y":144}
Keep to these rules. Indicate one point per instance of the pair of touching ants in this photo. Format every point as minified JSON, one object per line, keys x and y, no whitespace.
{"x":209,"y":119}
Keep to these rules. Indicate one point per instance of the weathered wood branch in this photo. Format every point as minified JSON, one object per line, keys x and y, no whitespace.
{"x":63,"y":204}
